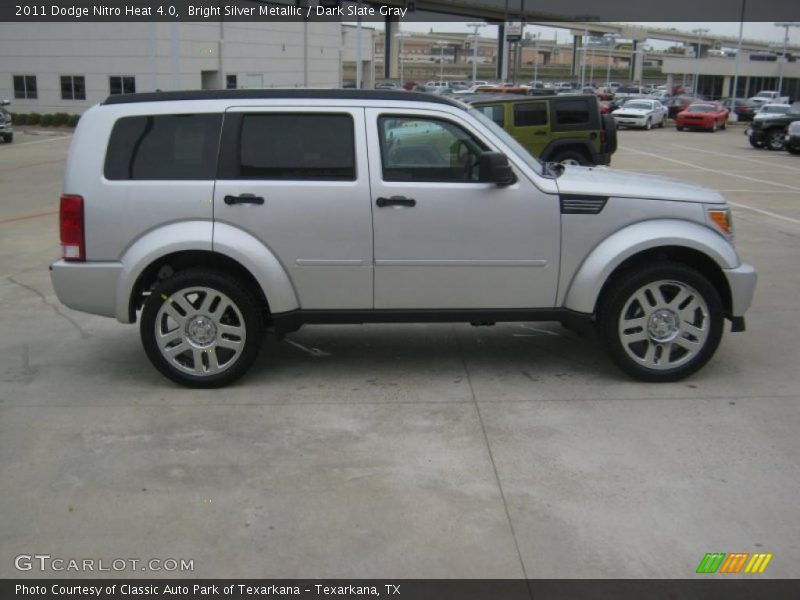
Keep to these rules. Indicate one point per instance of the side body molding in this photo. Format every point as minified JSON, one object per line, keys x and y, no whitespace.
{"x":208,"y":236}
{"x":582,"y":293}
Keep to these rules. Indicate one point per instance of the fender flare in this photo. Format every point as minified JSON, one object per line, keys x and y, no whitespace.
{"x":556,"y":145}
{"x":197,"y":235}
{"x":588,"y":281}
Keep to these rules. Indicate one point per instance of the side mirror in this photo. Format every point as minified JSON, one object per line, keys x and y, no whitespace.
{"x":493,"y":167}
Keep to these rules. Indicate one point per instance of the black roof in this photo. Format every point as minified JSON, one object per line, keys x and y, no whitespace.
{"x":305,"y":94}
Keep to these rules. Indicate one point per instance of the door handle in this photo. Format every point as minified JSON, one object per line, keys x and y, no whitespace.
{"x":539,"y":133}
{"x":396,"y":201}
{"x":244,"y":199}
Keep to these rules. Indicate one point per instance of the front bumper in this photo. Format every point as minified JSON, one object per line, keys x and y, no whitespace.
{"x":630,"y":121}
{"x":742,"y":283}
{"x":87,"y":286}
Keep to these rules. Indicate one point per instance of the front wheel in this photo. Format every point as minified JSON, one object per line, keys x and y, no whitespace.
{"x":202,"y":328}
{"x":755,"y":143}
{"x":776,"y":140}
{"x":648,"y":125}
{"x":8,"y":138}
{"x":661,"y":323}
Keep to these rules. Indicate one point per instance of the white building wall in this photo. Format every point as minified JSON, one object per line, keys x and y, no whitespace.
{"x":163,"y":56}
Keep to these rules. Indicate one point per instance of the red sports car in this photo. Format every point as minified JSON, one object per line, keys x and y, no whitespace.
{"x":702,"y":115}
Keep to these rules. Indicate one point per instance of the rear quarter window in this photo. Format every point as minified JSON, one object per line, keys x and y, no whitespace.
{"x":158,"y":147}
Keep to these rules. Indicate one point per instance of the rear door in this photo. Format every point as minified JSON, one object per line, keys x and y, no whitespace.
{"x":297,"y":179}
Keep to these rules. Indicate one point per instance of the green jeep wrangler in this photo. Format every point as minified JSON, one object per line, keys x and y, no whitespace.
{"x":563,"y":129}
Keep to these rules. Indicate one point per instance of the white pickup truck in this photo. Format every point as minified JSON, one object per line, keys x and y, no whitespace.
{"x":769,"y":96}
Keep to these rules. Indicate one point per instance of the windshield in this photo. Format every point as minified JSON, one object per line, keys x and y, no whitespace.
{"x":530,"y":160}
{"x":775,"y":109}
{"x":645,"y":105}
{"x":701,"y":108}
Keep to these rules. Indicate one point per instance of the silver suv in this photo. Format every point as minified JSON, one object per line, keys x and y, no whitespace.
{"x":213,"y":216}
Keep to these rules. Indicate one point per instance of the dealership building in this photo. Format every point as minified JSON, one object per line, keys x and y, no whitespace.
{"x":67,"y":67}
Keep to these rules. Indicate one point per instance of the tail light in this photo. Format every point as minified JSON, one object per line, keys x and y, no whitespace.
{"x":73,"y":241}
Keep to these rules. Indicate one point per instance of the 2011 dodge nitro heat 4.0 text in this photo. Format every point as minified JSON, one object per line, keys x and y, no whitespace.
{"x":212,"y":216}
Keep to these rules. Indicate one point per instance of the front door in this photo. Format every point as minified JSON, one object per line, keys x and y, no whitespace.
{"x":445,"y":240}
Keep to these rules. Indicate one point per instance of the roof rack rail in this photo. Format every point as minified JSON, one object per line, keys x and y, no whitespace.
{"x":293,"y":94}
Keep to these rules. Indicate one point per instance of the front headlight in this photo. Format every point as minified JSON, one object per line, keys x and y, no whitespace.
{"x":721,"y":219}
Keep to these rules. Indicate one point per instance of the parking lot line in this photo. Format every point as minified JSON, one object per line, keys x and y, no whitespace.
{"x":29,"y":165}
{"x":753,"y":160}
{"x":55,"y":139}
{"x":710,"y":170}
{"x":25,"y":217}
{"x":765,"y":212}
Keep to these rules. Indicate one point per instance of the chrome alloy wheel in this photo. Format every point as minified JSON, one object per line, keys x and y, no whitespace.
{"x":664,"y":325}
{"x":200,"y":331}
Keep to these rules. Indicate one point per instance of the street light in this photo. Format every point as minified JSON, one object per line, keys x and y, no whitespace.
{"x":611,"y":42}
{"x":401,"y":35}
{"x":699,"y":32}
{"x":786,"y":26}
{"x":475,"y":39}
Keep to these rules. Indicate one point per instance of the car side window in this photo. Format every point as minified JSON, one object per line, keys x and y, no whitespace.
{"x":496,"y":112}
{"x":427,"y":149}
{"x":158,"y":147}
{"x":530,"y":114}
{"x":572,"y":112}
{"x":297,"y":146}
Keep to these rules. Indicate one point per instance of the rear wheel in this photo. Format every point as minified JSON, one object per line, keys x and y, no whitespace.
{"x":8,"y":138}
{"x":661,"y":323}
{"x":202,"y":328}
{"x":755,"y":143}
{"x":776,"y":140}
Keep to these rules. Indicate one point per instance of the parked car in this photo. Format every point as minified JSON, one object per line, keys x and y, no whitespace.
{"x":679,"y":104}
{"x":6,"y":126}
{"x":562,"y":129}
{"x":767,"y":111}
{"x":629,"y":91}
{"x":769,"y":130}
{"x":744,"y":109}
{"x":386,"y":85}
{"x":702,"y":115}
{"x":793,"y":138}
{"x":410,"y":86}
{"x":434,"y":86}
{"x":641,"y":113}
{"x":460,"y":85}
{"x":769,"y":96}
{"x":350,"y":206}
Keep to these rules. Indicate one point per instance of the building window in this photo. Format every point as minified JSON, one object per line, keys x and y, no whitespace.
{"x":25,"y":86}
{"x":121,"y":84}
{"x":73,"y":87}
{"x":231,"y":82}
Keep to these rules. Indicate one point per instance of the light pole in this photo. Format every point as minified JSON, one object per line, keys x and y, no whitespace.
{"x":536,"y":57}
{"x":441,"y":59}
{"x":583,"y":58}
{"x":401,"y":35}
{"x":475,"y":42}
{"x":786,"y":26}
{"x":611,"y":42}
{"x":735,"y":90}
{"x":699,"y":32}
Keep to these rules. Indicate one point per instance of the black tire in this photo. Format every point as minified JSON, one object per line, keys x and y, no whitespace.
{"x":755,"y":143}
{"x":8,"y":138}
{"x":776,"y":140}
{"x":250,"y":313}
{"x":648,"y":125}
{"x":621,"y":298}
{"x":793,"y":149}
{"x":714,"y":127}
{"x":679,"y":127}
{"x":572,"y":157}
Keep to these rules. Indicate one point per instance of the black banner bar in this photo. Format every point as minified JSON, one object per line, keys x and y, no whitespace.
{"x":701,"y":588}
{"x":403,"y":10}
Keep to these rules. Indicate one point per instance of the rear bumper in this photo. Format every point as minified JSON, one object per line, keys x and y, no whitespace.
{"x":742,"y":283}
{"x":86,"y":286}
{"x":601,"y":158}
